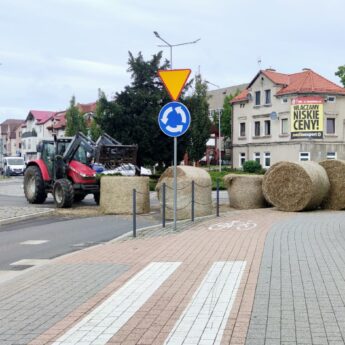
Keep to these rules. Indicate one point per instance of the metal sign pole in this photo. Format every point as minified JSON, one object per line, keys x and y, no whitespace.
{"x":175,"y":182}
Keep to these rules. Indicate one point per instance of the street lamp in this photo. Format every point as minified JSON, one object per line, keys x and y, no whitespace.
{"x":167,"y":44}
{"x":208,"y":82}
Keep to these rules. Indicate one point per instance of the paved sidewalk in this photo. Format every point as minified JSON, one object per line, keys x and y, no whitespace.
{"x":248,"y":277}
{"x":13,"y":213}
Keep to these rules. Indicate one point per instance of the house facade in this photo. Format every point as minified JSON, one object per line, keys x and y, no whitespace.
{"x":292,"y":117}
{"x":36,"y":129}
{"x":10,"y":134}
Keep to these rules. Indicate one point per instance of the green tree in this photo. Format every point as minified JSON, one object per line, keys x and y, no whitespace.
{"x":74,"y":121}
{"x":95,"y":131}
{"x":200,"y":122}
{"x":341,"y":74}
{"x":131,"y":117}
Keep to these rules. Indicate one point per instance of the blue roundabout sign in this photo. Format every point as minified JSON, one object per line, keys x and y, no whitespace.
{"x":174,"y":119}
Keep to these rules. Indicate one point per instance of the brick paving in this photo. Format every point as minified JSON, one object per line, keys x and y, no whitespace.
{"x":291,"y":290}
{"x":300,"y":294}
{"x":33,"y":303}
{"x":197,"y":249}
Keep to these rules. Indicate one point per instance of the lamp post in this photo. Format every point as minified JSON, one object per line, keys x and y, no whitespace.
{"x":219,"y":147}
{"x":167,"y":44}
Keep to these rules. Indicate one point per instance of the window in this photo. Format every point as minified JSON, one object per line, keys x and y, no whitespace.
{"x":331,"y":155}
{"x":285,"y":100}
{"x":242,"y":129}
{"x":284,"y":128}
{"x":267,"y":96}
{"x":267,"y":159}
{"x":257,"y":128}
{"x":304,"y":156}
{"x":268,"y":127}
{"x":330,"y":126}
{"x":331,"y":99}
{"x":242,"y":158}
{"x":257,"y":156}
{"x":257,"y":97}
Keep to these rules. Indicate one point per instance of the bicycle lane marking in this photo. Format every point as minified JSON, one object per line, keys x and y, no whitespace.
{"x":234,"y":225}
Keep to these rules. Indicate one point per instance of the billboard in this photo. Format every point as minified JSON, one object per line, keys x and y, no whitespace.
{"x":307,"y":118}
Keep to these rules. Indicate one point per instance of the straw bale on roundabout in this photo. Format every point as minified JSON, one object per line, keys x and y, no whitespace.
{"x":245,"y":191}
{"x":335,"y":200}
{"x":295,"y":186}
{"x":117,"y":194}
{"x":185,"y":176}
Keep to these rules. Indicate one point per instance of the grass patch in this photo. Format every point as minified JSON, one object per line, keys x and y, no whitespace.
{"x":215,"y":174}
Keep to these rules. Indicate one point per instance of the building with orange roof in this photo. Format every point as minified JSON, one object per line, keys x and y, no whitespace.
{"x":293,"y":117}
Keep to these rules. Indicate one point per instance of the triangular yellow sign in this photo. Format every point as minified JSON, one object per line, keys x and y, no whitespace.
{"x":174,"y":80}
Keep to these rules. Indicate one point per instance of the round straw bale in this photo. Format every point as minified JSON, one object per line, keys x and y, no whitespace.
{"x":185,"y":176}
{"x":245,"y":191}
{"x":335,"y":200}
{"x":295,"y":186}
{"x":117,"y":194}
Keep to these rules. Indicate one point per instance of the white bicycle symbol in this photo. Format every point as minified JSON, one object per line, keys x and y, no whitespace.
{"x":235,"y":224}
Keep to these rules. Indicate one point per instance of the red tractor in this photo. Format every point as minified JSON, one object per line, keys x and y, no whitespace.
{"x":64,"y":168}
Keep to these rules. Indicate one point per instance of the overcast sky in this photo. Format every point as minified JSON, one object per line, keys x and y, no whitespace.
{"x":53,"y":49}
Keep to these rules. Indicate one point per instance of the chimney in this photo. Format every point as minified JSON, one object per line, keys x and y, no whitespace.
{"x":306,"y":69}
{"x":270,"y":69}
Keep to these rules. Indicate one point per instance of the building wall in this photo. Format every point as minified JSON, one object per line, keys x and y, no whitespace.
{"x":279,"y":144}
{"x":29,"y":143}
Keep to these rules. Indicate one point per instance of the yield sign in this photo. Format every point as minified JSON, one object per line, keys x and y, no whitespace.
{"x":174,"y":80}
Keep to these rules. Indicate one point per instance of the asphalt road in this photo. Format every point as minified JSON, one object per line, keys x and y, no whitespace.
{"x":57,"y":235}
{"x":60,"y":236}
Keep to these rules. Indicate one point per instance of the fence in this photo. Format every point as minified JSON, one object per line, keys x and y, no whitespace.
{"x":164,"y":205}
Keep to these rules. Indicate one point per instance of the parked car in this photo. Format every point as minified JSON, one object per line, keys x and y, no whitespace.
{"x":13,"y":166}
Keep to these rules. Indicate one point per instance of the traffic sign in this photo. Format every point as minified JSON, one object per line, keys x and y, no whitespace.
{"x":174,"y":81}
{"x":174,"y":119}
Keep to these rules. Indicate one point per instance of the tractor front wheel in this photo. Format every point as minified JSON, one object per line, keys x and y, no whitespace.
{"x":34,"y":188}
{"x":63,"y":193}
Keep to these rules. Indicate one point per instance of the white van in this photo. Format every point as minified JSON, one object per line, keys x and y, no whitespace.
{"x":13,"y":165}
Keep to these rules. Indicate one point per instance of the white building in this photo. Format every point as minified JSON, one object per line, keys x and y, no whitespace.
{"x":293,"y":117}
{"x":36,"y":129}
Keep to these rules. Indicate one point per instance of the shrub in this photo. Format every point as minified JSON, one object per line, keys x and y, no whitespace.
{"x":252,"y":167}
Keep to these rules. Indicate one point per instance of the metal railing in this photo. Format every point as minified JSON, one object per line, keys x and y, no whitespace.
{"x":164,"y":205}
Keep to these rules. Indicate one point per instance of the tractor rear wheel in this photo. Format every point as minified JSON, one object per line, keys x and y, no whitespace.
{"x":63,"y":193}
{"x":34,"y":188}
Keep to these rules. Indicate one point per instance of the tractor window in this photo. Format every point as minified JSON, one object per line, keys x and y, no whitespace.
{"x":48,"y":152}
{"x":80,"y":155}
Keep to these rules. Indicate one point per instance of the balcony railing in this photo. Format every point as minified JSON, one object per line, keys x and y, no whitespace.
{"x":29,"y":134}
